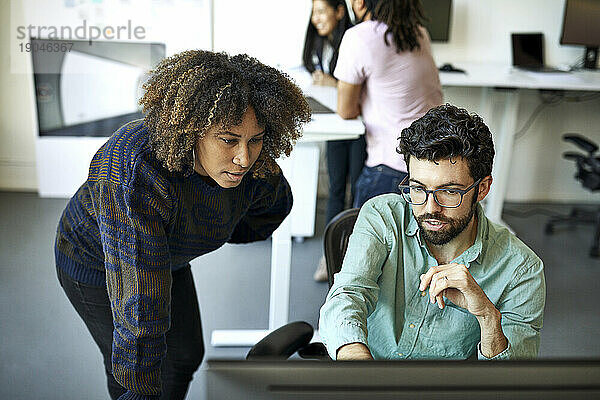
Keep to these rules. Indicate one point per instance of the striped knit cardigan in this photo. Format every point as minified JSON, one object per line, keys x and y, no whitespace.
{"x":132,"y":223}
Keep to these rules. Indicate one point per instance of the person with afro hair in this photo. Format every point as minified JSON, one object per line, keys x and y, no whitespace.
{"x":198,"y":171}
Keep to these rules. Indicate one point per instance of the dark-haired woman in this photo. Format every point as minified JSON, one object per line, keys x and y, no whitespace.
{"x":329,"y":20}
{"x":386,"y":74}
{"x":197,"y":172}
{"x":345,"y":158}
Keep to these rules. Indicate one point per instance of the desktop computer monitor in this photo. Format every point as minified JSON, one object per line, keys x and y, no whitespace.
{"x":439,"y":15}
{"x":375,"y":380}
{"x":581,"y":26}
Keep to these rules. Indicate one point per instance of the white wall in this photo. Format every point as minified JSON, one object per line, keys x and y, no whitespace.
{"x":481,"y":30}
{"x":481,"y":33}
{"x":273,"y":31}
{"x":270,"y":30}
{"x":180,"y":24}
{"x":17,"y":126}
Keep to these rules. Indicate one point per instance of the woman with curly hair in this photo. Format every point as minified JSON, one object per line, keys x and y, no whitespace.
{"x":198,"y":171}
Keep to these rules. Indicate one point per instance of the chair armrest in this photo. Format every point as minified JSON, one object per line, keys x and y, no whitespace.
{"x":314,"y":351}
{"x":571,"y":155}
{"x":282,"y":342}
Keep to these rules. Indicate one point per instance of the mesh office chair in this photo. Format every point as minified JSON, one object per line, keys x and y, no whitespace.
{"x":296,"y":336}
{"x":588,"y":172}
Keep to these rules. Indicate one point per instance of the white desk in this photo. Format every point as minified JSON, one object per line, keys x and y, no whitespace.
{"x":503,"y":76}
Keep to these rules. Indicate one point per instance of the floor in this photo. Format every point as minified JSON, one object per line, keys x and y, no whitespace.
{"x":47,"y":353}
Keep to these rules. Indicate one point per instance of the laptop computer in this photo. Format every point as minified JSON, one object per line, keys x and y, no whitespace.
{"x":528,"y":52}
{"x":318,"y":108}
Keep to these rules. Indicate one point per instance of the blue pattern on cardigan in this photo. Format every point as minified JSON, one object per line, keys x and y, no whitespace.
{"x":133,"y":222}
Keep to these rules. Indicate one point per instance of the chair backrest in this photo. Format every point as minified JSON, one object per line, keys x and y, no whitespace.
{"x":335,"y":239}
{"x":588,"y":166}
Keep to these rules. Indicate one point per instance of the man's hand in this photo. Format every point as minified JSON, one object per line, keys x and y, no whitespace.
{"x":455,"y":282}
{"x":323,"y":79}
{"x":354,"y":351}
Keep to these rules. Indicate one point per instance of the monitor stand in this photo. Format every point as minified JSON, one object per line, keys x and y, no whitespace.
{"x":591,"y":57}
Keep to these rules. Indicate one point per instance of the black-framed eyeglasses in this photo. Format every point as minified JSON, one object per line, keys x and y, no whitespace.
{"x":448,"y":198}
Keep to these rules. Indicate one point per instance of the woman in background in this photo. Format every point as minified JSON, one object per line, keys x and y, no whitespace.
{"x":197,"y":172}
{"x":386,"y":74}
{"x":328,"y":22}
{"x":345,"y":158}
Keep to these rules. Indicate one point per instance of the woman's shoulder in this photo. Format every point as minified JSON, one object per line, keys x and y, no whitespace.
{"x":116,"y":160}
{"x":270,"y":183}
{"x":368,"y":27}
{"x":367,"y":32}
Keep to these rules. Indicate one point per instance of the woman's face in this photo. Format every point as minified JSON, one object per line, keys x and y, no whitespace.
{"x":324,"y":17}
{"x":227,"y":154}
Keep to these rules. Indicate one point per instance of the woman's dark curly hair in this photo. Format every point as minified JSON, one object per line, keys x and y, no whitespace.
{"x":195,"y":90}
{"x":402,"y":17}
{"x":448,"y":131}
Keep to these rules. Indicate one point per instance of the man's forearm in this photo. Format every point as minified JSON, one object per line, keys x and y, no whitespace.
{"x":354,"y":351}
{"x":493,"y":341}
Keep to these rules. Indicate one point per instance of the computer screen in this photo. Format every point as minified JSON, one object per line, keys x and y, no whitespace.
{"x":527,"y":49}
{"x":89,"y":88}
{"x":439,"y":14}
{"x":581,"y":26}
{"x":374,"y":380}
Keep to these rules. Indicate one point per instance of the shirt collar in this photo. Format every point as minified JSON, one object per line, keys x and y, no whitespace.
{"x":411,"y":227}
{"x":473,"y":253}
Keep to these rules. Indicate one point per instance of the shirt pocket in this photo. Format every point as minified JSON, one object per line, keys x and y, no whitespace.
{"x":454,"y":333}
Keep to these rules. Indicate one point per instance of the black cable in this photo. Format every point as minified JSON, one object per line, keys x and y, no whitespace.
{"x":553,"y":98}
{"x":548,"y":98}
{"x":530,"y":120}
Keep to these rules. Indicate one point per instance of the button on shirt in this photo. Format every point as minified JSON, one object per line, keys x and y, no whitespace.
{"x":375,"y":298}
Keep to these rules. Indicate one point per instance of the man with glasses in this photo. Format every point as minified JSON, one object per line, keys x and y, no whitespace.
{"x":426,"y":274}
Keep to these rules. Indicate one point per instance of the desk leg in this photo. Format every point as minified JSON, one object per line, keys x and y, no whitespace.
{"x":281,"y":263}
{"x":281,"y":250}
{"x":502,"y":161}
{"x":281,"y":260}
{"x":486,"y":106}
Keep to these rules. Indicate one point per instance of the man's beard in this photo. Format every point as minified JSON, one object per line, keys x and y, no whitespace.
{"x":453,"y":229}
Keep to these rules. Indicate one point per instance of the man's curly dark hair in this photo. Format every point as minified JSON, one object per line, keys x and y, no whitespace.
{"x":195,"y":90}
{"x":448,"y":131}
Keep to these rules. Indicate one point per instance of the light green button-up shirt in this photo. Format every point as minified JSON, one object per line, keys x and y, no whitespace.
{"x":375,"y":298}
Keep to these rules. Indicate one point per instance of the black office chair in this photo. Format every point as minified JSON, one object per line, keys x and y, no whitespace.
{"x":296,"y":336}
{"x":588,"y":172}
{"x":335,"y":240}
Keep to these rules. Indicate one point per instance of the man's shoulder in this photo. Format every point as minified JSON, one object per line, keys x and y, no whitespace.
{"x":501,"y":242}
{"x":386,"y":200}
{"x":389,"y":206}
